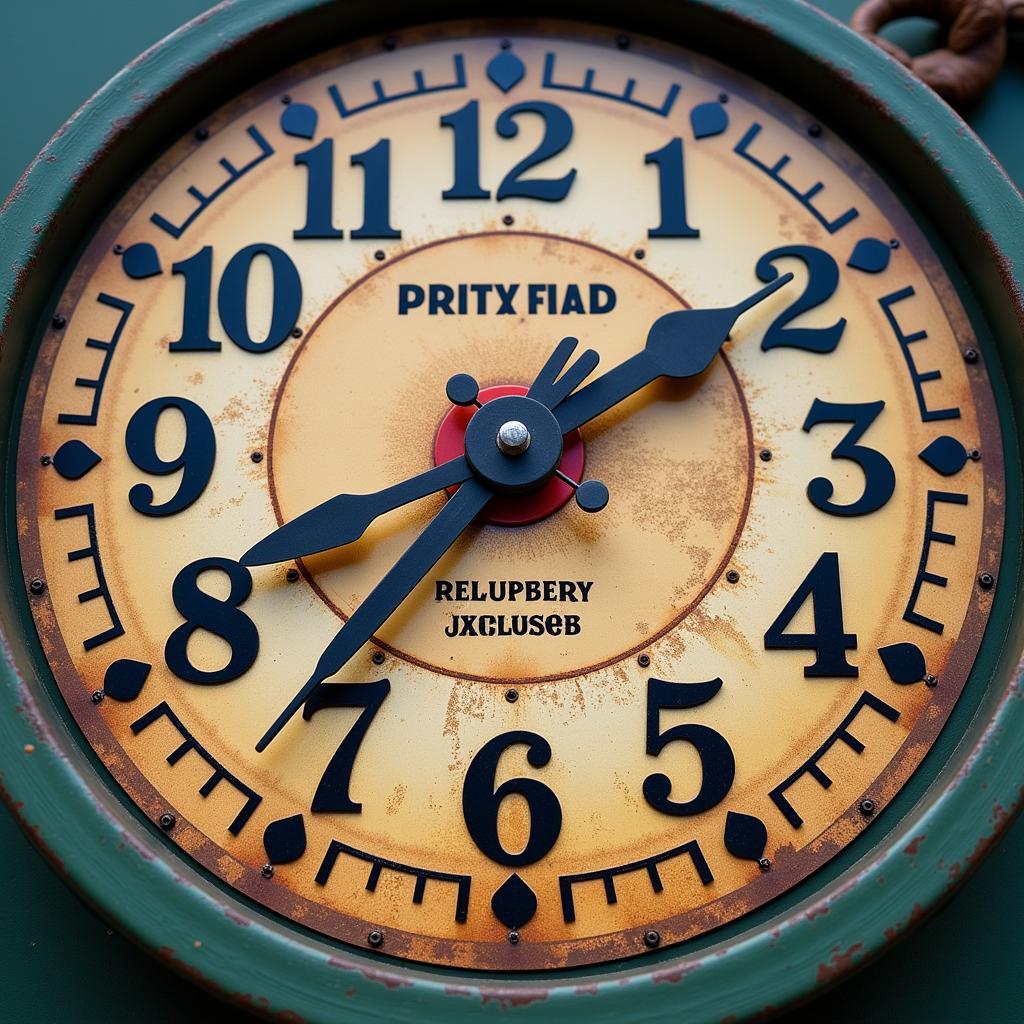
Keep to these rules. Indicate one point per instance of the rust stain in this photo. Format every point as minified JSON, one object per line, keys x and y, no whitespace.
{"x":839,"y":963}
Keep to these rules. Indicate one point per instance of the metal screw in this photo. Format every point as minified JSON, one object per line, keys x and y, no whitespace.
{"x":256,"y":456}
{"x":292,"y":575}
{"x":59,"y":321}
{"x":511,"y":695}
{"x":379,"y":255}
{"x":45,"y":460}
{"x":36,"y":585}
{"x":974,"y":454}
{"x":375,"y":938}
{"x":286,"y":99}
{"x":118,"y":249}
{"x":652,"y":939}
{"x":513,"y":938}
{"x":732,"y":576}
{"x":723,"y":97}
{"x":643,"y":660}
{"x":622,"y":42}
{"x":267,"y":871}
{"x":508,"y":220}
{"x":764,"y":455}
{"x":202,"y":134}
{"x":389,"y":43}
{"x":867,"y":807}
{"x":764,"y":864}
{"x":167,"y":821}
{"x":513,"y":438}
{"x":505,"y":44}
{"x":931,"y":681}
{"x":970,"y":355}
{"x":378,"y":658}
{"x":296,"y":332}
{"x":97,"y":696}
{"x":814,"y":130}
{"x":639,"y":254}
{"x":986,"y":580}
{"x":894,"y":243}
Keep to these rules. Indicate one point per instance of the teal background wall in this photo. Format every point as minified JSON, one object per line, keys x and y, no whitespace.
{"x":61,"y":963}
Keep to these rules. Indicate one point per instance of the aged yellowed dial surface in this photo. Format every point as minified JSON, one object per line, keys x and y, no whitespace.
{"x":587,"y":731}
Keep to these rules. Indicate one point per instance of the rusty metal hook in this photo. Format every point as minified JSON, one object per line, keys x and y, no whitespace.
{"x":975,"y":49}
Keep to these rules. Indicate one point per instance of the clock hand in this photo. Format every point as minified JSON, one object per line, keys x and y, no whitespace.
{"x":679,"y":344}
{"x":443,"y":530}
{"x":344,"y":518}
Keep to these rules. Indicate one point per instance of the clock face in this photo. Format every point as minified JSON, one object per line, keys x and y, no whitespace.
{"x":558,"y":732}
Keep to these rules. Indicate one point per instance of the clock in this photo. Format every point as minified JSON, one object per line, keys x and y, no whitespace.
{"x":516,"y":509}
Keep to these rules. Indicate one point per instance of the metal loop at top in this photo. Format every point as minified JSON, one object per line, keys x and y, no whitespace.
{"x":975,"y":49}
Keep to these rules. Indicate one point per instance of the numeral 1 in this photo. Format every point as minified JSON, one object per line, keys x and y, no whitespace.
{"x":671,"y":192}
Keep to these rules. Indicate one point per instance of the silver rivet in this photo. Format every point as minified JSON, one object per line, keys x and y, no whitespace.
{"x":513,"y":437}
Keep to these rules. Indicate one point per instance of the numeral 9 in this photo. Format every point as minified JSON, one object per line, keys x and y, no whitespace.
{"x":195,"y":461}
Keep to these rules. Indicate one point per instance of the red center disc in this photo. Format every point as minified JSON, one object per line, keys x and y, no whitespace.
{"x":511,"y":509}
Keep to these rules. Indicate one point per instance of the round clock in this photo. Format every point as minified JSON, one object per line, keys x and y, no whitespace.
{"x":513,"y":509}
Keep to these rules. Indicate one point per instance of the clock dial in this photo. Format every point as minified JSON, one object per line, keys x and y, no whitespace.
{"x":559,"y":732}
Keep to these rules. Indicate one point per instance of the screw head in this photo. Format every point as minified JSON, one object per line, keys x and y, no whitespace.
{"x":286,"y":99}
{"x":894,"y":243}
{"x":59,"y":321}
{"x":513,"y":437}
{"x":256,"y":457}
{"x":974,"y":454}
{"x":970,"y":355}
{"x":292,"y":575}
{"x":202,"y":134}
{"x":765,"y":455}
{"x":764,"y":864}
{"x":867,"y":807}
{"x":513,"y":938}
{"x":505,"y":44}
{"x":267,"y":871}
{"x":639,"y":254}
{"x":390,"y":43}
{"x":508,"y":220}
{"x":118,"y":249}
{"x":652,"y":939}
{"x":375,"y":938}
{"x":643,"y":660}
{"x":723,"y":97}
{"x":511,"y":695}
{"x":167,"y":821}
{"x":378,"y":657}
{"x":931,"y":681}
{"x":814,"y":130}
{"x":296,"y":332}
{"x":622,"y":42}
{"x":36,"y":585}
{"x":986,"y":580}
{"x":732,"y":576}
{"x":97,"y":696}
{"x":379,"y":255}
{"x":45,"y":460}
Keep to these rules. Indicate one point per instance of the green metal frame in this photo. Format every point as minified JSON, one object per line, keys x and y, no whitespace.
{"x":121,"y":865}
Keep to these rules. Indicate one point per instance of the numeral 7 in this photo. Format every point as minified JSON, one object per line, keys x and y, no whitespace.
{"x":332,"y":793}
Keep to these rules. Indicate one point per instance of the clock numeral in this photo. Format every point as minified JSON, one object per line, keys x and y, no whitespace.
{"x":332,"y":794}
{"x":195,"y":459}
{"x":222,"y":617}
{"x":465,"y":125}
{"x":319,"y":164}
{"x":232,"y":299}
{"x":481,"y":801}
{"x":829,"y":641}
{"x":671,"y":192}
{"x":879,"y":476}
{"x":718,"y":766}
{"x":822,"y":281}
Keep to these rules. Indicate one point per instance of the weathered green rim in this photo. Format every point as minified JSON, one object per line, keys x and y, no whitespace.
{"x":120,"y":866}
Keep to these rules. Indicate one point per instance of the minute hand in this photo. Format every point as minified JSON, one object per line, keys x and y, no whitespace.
{"x":679,"y":344}
{"x":438,"y":536}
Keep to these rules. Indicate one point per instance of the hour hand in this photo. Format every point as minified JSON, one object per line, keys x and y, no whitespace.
{"x":344,"y":518}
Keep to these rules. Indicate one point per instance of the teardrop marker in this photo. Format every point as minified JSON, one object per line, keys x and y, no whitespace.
{"x":946,"y":455}
{"x":299,"y":119}
{"x":124,"y":679}
{"x":870,"y":255}
{"x":141,"y":260}
{"x":506,"y":70}
{"x":285,"y":839}
{"x":74,"y":459}
{"x":745,"y":835}
{"x":904,"y":663}
{"x":513,"y":902}
{"x":708,"y":119}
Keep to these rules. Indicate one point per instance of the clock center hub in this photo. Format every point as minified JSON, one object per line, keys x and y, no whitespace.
{"x":513,"y":437}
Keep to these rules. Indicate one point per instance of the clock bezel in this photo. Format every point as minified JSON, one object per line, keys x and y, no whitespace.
{"x":123,"y":867}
